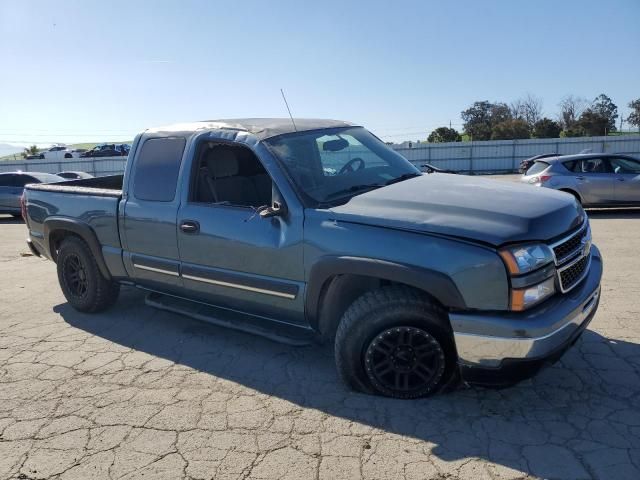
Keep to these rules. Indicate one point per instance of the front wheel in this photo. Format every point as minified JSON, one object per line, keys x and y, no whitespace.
{"x":82,"y":284}
{"x":394,"y":342}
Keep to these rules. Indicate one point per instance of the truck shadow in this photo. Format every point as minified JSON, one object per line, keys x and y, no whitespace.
{"x":568,"y":414}
{"x":8,"y":219}
{"x":613,"y":213}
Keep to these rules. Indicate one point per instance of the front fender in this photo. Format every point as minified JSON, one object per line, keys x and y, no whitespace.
{"x":436,"y":284}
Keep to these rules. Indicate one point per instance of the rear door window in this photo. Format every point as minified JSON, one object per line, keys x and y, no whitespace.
{"x":537,"y":167}
{"x":157,"y":167}
{"x":592,"y":165}
{"x":22,"y":180}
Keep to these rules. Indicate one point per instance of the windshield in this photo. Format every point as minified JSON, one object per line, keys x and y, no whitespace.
{"x":333,"y":165}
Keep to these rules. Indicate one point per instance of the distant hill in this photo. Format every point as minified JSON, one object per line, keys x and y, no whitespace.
{"x":7,"y":149}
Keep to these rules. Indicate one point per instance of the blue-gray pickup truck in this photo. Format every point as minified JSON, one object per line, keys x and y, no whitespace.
{"x":319,"y":231}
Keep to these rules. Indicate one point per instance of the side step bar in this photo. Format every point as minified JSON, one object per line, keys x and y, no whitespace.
{"x":288,"y":333}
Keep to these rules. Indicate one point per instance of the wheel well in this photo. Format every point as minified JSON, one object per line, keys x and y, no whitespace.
{"x":572,"y":192}
{"x":340,"y":291}
{"x":55,"y":241}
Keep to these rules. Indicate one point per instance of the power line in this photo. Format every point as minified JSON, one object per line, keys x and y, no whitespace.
{"x":72,"y":134}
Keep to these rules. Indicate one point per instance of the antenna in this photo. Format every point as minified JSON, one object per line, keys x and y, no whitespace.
{"x":288,"y":109}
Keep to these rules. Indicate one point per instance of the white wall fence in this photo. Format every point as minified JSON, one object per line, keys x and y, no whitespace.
{"x":505,"y":155}
{"x":95,"y":166}
{"x":489,"y":156}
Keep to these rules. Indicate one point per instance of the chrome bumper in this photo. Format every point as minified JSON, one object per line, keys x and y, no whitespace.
{"x":486,"y":340}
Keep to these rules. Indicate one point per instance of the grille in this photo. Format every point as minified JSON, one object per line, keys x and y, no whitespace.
{"x":569,"y":248}
{"x":573,"y":274}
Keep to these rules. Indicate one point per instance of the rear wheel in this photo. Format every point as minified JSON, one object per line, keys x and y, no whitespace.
{"x":394,"y":342}
{"x":80,"y":279}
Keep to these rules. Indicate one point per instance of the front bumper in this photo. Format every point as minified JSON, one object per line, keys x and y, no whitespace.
{"x":503,"y":348}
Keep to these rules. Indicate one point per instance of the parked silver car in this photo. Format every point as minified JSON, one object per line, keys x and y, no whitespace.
{"x":12,"y":184}
{"x":595,"y":179}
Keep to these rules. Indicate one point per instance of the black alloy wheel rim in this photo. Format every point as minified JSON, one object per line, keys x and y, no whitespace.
{"x":405,"y":361}
{"x":75,"y":276}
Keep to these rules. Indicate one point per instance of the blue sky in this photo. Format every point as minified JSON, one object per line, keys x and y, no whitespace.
{"x":103,"y":70}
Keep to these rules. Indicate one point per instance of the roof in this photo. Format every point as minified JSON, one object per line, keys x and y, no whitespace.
{"x":585,"y":156}
{"x":261,"y":128}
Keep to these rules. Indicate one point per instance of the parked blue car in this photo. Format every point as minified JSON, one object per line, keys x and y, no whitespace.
{"x":12,"y":185}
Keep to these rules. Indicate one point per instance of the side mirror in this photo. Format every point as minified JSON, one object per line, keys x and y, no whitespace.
{"x":276,"y":209}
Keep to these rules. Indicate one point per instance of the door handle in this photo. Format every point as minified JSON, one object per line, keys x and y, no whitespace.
{"x":190,"y":226}
{"x":579,"y":178}
{"x":620,"y":179}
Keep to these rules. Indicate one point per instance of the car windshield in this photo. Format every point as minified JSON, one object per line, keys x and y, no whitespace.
{"x":332,"y":165}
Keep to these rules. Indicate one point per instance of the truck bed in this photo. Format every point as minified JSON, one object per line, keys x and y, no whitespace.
{"x":110,"y":186}
{"x":92,"y":202}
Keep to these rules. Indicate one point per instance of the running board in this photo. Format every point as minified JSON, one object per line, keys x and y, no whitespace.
{"x":290,"y":334}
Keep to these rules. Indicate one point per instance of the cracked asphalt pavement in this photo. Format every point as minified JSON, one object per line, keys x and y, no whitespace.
{"x":139,"y":393}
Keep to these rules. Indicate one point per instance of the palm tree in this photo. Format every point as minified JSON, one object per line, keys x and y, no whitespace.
{"x":32,"y":150}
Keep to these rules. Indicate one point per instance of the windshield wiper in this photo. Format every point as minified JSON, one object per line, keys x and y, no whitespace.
{"x":355,"y":188}
{"x":404,"y":176}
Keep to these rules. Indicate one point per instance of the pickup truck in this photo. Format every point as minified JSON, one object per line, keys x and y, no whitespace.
{"x":316,"y":230}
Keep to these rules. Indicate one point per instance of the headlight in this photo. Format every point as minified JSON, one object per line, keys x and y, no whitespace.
{"x":532,"y":274}
{"x":523,"y":298}
{"x":521,"y":259}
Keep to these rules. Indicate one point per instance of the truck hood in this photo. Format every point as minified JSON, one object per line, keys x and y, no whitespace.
{"x":488,"y":211}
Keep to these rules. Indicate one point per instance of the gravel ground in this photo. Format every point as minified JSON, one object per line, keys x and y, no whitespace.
{"x":138,"y":393}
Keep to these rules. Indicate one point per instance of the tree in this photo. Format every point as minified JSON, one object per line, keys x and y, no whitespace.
{"x":593,"y":123}
{"x":634,"y":116}
{"x":444,"y":134}
{"x":528,"y":108}
{"x":546,"y":128}
{"x":32,"y":150}
{"x":605,"y":108}
{"x":511,"y":129}
{"x":571,"y":107}
{"x":481,"y":117}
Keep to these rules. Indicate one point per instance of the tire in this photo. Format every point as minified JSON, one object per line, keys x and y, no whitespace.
{"x":81,"y":282}
{"x":395,"y":333}
{"x":68,"y":155}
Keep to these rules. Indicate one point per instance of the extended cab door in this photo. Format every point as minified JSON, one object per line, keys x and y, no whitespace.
{"x":148,"y":224}
{"x":231,"y":256}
